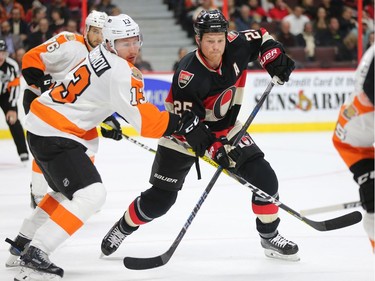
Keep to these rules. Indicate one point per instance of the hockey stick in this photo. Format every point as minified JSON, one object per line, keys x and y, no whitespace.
{"x":147,"y":263}
{"x":327,"y":225}
{"x":331,"y":208}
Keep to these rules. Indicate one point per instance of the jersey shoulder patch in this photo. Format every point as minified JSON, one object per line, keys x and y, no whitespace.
{"x":232,"y":35}
{"x":70,"y":36}
{"x":184,"y":78}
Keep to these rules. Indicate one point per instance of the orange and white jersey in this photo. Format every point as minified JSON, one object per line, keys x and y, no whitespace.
{"x":57,"y":56}
{"x":102,"y":84}
{"x":354,"y":133}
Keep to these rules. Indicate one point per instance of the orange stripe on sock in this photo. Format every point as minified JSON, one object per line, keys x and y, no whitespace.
{"x":35,"y":168}
{"x":48,"y":204}
{"x":66,"y":220}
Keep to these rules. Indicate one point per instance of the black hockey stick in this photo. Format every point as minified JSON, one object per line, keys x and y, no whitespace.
{"x":332,"y":224}
{"x":147,"y":263}
{"x":331,"y":208}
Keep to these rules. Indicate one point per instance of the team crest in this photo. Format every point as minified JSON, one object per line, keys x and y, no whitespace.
{"x":350,"y":112}
{"x":184,"y":78}
{"x":137,"y":74}
{"x":69,"y":36}
{"x":232,"y":35}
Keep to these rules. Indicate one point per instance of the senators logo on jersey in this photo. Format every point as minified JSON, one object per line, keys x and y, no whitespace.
{"x":184,"y":78}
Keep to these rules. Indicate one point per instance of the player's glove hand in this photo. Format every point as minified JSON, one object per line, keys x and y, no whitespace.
{"x":198,"y":136}
{"x":45,"y":83}
{"x":218,"y":152}
{"x":277,"y":63}
{"x":115,"y":133}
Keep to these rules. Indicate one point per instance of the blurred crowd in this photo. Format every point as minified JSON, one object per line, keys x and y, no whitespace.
{"x":307,"y":25}
{"x":25,"y":24}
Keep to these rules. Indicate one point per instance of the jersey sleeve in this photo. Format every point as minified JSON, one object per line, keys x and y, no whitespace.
{"x":34,"y":62}
{"x":127,"y":97}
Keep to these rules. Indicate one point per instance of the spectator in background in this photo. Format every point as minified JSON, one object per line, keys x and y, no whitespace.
{"x":243,"y":20}
{"x":320,"y":22}
{"x":257,"y":13}
{"x":142,"y":64}
{"x":279,"y":11}
{"x":74,"y":7}
{"x":285,"y":36}
{"x":38,"y":14}
{"x":18,"y":26}
{"x":347,"y":22}
{"x":333,"y":8}
{"x":12,"y":41}
{"x":40,"y":36}
{"x":105,"y":6}
{"x":30,"y":11}
{"x":309,"y":8}
{"x":348,"y":50}
{"x":297,"y":20}
{"x":181,"y":53}
{"x":59,"y":4}
{"x":330,"y":36}
{"x":9,"y":5}
{"x":308,"y":37}
{"x":58,"y":22}
{"x":19,"y":55}
{"x":72,"y":26}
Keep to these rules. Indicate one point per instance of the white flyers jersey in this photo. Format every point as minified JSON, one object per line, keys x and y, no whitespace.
{"x":57,"y":56}
{"x":102,"y":84}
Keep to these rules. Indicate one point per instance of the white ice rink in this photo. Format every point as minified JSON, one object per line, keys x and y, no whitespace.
{"x":222,"y":243}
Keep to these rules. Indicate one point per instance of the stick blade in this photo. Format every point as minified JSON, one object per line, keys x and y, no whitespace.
{"x":336,"y":223}
{"x":145,"y":263}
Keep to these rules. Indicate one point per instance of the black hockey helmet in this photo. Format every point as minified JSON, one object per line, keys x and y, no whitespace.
{"x":3,"y":45}
{"x":210,"y":21}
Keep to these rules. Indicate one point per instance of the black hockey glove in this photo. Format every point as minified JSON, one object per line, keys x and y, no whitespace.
{"x":198,"y":136}
{"x":218,"y":152}
{"x":45,"y":83}
{"x":277,"y":63}
{"x":115,"y":133}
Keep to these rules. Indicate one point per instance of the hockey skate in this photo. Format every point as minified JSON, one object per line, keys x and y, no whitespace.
{"x":35,"y":265}
{"x":280,"y":248}
{"x":113,"y":239}
{"x":17,"y":247}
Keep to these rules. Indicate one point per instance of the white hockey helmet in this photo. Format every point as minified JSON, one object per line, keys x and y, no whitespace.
{"x":118,"y":27}
{"x":96,"y":19}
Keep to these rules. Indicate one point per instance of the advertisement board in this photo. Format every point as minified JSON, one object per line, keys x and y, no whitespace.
{"x":310,"y":101}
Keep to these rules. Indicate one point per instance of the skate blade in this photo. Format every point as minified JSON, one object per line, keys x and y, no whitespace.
{"x":275,"y":255}
{"x":28,"y":274}
{"x":12,"y":261}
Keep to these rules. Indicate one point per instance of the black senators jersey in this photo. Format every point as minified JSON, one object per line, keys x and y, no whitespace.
{"x":216,"y":95}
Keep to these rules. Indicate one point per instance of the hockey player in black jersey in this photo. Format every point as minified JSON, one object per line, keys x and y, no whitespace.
{"x":209,"y":81}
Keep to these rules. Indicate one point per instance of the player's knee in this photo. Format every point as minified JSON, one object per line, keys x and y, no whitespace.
{"x":260,"y":173}
{"x":90,"y":198}
{"x":156,"y":202}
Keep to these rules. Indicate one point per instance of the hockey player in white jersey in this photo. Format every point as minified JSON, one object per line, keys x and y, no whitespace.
{"x":61,"y":127}
{"x":41,"y":66}
{"x":354,"y":137}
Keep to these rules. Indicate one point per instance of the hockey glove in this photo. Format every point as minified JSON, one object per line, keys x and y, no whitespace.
{"x":116,"y":132}
{"x":277,"y":63}
{"x":198,"y":136}
{"x":45,"y":83}
{"x":218,"y":152}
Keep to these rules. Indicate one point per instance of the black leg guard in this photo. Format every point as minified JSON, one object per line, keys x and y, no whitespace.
{"x":267,"y":230}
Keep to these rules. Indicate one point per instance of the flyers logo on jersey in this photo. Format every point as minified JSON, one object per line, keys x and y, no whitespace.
{"x":184,"y":78}
{"x":98,"y":62}
{"x":137,"y":74}
{"x":69,"y":36}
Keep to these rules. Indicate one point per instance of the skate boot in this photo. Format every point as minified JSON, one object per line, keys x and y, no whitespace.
{"x":35,"y":265}
{"x":280,"y":248}
{"x":17,"y":247}
{"x":113,"y":239}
